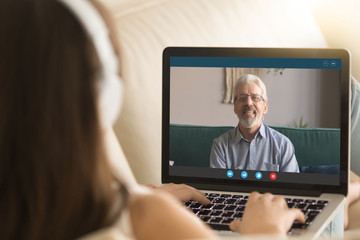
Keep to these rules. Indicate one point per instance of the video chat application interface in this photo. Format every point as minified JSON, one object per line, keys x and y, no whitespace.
{"x":303,"y":106}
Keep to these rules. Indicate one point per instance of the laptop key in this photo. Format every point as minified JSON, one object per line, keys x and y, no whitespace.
{"x":213,"y":195}
{"x":205,"y":218}
{"x":238,"y":215}
{"x":315,"y":207}
{"x":225,"y":195}
{"x":241,"y":208}
{"x":195,"y":210}
{"x":219,"y":206}
{"x":227,"y":220}
{"x":227,"y":214}
{"x":204,"y":212}
{"x":216,"y":213}
{"x":237,"y":196}
{"x":230,"y":207}
{"x":291,"y":204}
{"x":218,"y":200}
{"x":187,"y":203}
{"x":241,"y":202}
{"x":297,"y":225}
{"x":219,"y":227}
{"x":195,"y":205}
{"x":216,"y":220}
{"x":209,"y":206}
{"x":311,"y":216}
{"x":230,"y":201}
{"x":301,"y":205}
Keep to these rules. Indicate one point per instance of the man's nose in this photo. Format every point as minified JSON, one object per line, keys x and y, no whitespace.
{"x":249,"y":101}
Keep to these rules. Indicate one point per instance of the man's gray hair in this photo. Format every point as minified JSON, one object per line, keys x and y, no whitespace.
{"x":249,"y":78}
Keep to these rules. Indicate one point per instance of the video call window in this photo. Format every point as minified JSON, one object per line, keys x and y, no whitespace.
{"x":303,"y":105}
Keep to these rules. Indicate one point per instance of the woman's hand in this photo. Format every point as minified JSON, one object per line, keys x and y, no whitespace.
{"x":157,"y":215}
{"x":183,"y":192}
{"x":267,"y":214}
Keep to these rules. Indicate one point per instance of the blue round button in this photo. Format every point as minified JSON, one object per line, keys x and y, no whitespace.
{"x":258,"y":175}
{"x":230,"y":173}
{"x":244,"y":174}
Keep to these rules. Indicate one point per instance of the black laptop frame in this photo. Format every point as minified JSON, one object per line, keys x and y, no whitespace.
{"x":278,"y":187}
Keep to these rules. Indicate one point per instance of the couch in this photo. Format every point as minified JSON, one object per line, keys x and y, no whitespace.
{"x":316,"y":149}
{"x":146,"y":27}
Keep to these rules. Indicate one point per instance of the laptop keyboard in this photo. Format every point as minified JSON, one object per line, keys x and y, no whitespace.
{"x":224,"y":208}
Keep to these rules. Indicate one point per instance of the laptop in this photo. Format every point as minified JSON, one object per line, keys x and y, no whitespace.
{"x":308,"y":103}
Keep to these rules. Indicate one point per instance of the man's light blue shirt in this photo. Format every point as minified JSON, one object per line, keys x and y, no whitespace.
{"x":268,"y":151}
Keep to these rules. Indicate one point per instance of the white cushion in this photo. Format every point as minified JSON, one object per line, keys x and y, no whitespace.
{"x":117,"y":159}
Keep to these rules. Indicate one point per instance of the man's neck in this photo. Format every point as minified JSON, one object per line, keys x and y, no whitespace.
{"x":249,"y":133}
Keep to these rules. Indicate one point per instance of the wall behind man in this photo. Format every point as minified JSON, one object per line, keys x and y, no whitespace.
{"x":312,"y":95}
{"x":196,"y":96}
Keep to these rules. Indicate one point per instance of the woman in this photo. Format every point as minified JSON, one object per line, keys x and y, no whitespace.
{"x":55,"y":179}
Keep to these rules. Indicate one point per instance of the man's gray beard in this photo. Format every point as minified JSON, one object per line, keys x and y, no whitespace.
{"x":249,"y":122}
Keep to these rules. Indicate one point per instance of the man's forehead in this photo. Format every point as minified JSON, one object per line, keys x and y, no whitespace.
{"x":252,"y":86}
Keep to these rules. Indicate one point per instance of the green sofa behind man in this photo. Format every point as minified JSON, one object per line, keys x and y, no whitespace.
{"x":316,"y":149}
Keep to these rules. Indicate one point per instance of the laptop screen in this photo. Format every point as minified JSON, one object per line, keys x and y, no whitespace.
{"x":256,"y":117}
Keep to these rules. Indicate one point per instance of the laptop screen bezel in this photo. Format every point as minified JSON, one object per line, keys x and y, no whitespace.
{"x":217,"y":184}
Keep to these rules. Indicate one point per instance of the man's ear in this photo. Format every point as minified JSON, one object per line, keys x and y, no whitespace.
{"x":266,"y":106}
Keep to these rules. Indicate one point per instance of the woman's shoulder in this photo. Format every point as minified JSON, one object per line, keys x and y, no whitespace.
{"x":152,"y":214}
{"x":148,"y":201}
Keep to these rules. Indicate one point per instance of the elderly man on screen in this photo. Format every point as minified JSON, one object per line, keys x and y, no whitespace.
{"x":252,"y":145}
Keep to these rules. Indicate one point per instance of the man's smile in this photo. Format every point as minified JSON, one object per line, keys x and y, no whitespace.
{"x":249,"y":112}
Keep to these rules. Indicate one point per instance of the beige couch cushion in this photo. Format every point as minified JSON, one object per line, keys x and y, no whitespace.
{"x":354,"y":216}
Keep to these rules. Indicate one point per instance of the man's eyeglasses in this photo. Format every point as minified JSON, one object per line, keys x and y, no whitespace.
{"x":253,"y":97}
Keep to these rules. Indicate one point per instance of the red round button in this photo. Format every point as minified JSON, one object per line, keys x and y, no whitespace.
{"x":273,"y":176}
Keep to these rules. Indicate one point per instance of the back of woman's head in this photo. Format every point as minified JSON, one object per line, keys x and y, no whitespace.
{"x":55,"y":182}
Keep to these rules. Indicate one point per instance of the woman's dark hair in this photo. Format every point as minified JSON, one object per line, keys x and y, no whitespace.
{"x":55,"y":180}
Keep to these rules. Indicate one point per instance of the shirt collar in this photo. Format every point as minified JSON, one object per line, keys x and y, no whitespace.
{"x":261,"y":132}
